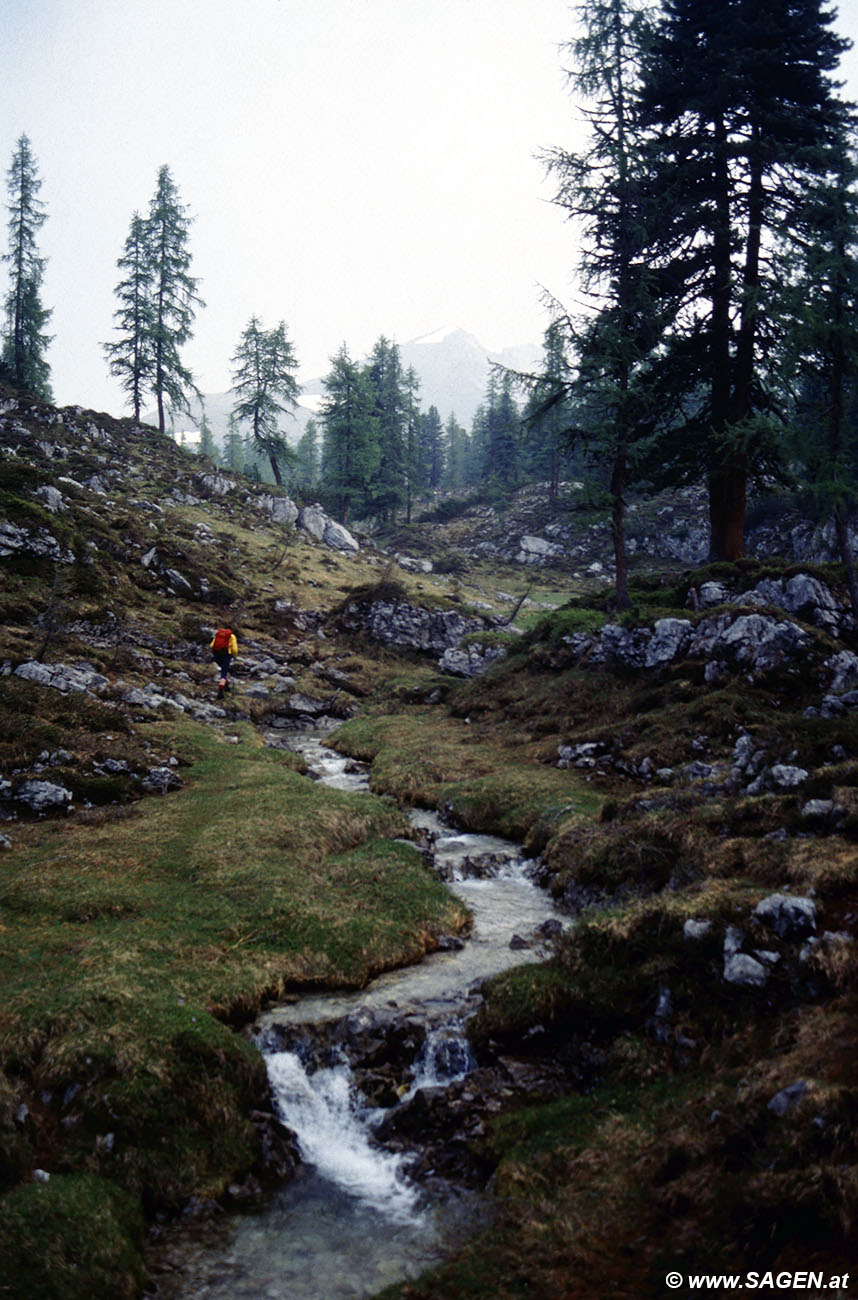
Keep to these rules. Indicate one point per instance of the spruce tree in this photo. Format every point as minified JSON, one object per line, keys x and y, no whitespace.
{"x":208,"y":446}
{"x":350,"y":454}
{"x":738,"y":97}
{"x":174,"y":297}
{"x":131,"y":356}
{"x":456,"y":454}
{"x":413,"y":470}
{"x":431,"y":449}
{"x":234,"y":452}
{"x":307,"y":459}
{"x":385,"y":378}
{"x":25,"y":343}
{"x":265,"y":386}
{"x":548,"y":421}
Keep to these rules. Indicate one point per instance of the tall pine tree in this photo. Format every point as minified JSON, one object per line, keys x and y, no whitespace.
{"x":25,"y":343}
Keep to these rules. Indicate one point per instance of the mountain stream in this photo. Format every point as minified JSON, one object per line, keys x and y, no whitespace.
{"x":352,"y":1222}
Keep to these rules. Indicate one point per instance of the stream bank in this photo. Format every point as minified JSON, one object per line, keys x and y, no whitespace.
{"x":384,"y":1096}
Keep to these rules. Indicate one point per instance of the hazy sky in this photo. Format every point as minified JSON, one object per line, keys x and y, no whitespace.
{"x":353,"y":167}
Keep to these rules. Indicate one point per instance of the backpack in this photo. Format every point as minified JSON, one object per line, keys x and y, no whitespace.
{"x":221,"y":639}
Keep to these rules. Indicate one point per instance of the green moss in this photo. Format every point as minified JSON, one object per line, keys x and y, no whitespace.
{"x":74,"y":1238}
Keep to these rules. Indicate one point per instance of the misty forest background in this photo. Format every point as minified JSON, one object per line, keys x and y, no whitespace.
{"x":714,"y":339}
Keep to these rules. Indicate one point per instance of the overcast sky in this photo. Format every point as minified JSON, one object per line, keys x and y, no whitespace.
{"x":353,"y":167}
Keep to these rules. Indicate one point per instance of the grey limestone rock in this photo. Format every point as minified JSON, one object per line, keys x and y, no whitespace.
{"x":789,"y":917}
{"x":52,"y":498}
{"x":160,"y":780}
{"x":788,"y":1098}
{"x":670,"y":637}
{"x":63,"y":677}
{"x":338,"y":537}
{"x":312,"y":520}
{"x":216,"y":485}
{"x":785,"y":776}
{"x":281,"y":509}
{"x":43,"y":796}
{"x":470,"y":661}
{"x":694,"y":929}
{"x":744,"y":970}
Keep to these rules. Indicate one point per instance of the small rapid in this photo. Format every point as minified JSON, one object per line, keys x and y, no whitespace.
{"x":333,"y":1132}
{"x":352,"y":1222}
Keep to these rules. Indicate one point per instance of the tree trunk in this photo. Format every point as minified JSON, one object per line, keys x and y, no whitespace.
{"x":720,"y":480}
{"x":275,"y":469}
{"x":618,"y":531}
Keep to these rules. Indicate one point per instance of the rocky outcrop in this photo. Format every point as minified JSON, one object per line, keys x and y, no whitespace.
{"x":399,"y":622}
{"x":732,"y":640}
{"x":63,"y":677}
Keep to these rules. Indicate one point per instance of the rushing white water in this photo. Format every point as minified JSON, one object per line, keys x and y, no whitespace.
{"x":446,"y":1057}
{"x":333,"y":1134}
{"x":351,"y":1223}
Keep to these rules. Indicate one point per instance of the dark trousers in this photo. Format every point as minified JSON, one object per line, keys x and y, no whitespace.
{"x":223,"y":659}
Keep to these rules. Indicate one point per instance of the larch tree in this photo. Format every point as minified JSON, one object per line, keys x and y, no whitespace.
{"x":131,"y":355}
{"x":265,"y":386}
{"x":738,"y":97}
{"x":25,"y":343}
{"x":174,"y":297}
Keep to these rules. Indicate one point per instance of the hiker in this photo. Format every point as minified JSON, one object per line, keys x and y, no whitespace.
{"x":224,"y":648}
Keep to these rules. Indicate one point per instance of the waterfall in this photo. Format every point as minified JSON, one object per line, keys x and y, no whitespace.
{"x":446,"y":1058}
{"x":333,"y":1134}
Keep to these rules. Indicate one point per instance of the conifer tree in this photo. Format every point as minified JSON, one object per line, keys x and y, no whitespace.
{"x":822,"y":273}
{"x":738,"y":97}
{"x":431,"y":449}
{"x":456,"y":454}
{"x":307,"y":459}
{"x":414,"y":480}
{"x":131,"y":356}
{"x":265,"y":386}
{"x":24,"y":345}
{"x":497,"y":432}
{"x":174,"y":297}
{"x":548,"y":418}
{"x":208,"y":446}
{"x":602,"y":189}
{"x":390,"y":408}
{"x":234,"y":451}
{"x":350,"y":452}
